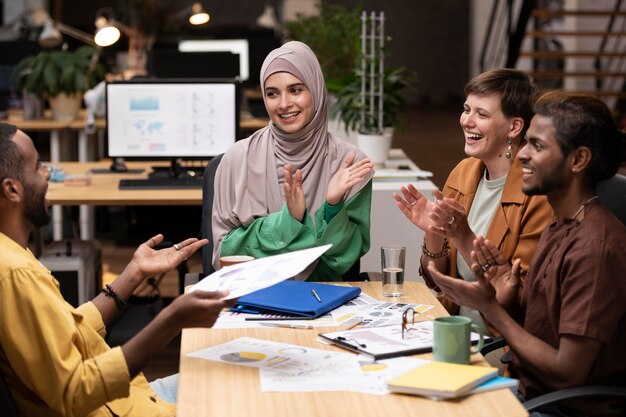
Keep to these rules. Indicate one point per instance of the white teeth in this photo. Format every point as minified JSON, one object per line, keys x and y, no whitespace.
{"x":473,"y":135}
{"x":527,"y":171}
{"x":287,"y":116}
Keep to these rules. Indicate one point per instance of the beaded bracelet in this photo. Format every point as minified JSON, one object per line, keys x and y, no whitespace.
{"x":444,"y":251}
{"x":110,"y":292}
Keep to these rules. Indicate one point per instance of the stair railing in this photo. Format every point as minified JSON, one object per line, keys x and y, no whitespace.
{"x":611,"y":62}
{"x":507,"y":20}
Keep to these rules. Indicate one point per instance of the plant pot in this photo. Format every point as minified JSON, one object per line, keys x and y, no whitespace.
{"x":65,"y":107}
{"x":376,"y":147}
{"x":32,"y":106}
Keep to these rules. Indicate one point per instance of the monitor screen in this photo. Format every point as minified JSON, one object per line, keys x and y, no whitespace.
{"x":174,"y":64}
{"x":192,"y":119}
{"x":238,"y":47}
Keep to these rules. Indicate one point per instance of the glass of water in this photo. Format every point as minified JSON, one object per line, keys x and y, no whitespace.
{"x":392,"y":261}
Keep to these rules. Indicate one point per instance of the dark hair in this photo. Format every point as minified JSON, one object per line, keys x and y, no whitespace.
{"x":517,"y":92}
{"x":11,"y":158}
{"x":585,"y":120}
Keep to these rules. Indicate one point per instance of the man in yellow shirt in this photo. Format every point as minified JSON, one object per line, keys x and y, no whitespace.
{"x":52,"y":355}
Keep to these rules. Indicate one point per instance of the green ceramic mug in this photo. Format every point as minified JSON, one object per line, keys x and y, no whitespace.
{"x":451,"y":339}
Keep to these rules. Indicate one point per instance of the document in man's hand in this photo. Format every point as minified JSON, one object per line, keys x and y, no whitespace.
{"x":442,"y":380}
{"x":247,"y":277}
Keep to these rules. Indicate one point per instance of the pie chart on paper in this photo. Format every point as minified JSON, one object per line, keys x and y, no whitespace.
{"x":243,"y":357}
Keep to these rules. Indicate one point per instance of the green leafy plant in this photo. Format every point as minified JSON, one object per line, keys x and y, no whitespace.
{"x":334,"y":36}
{"x":52,"y":72}
{"x":396,"y":83}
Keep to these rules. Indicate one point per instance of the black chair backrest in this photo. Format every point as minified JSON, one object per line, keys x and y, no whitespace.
{"x":7,"y":406}
{"x":612,"y":193}
{"x":207,"y":213}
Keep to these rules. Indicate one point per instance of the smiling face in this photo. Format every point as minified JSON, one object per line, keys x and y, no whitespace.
{"x":288,"y":102}
{"x":485,"y":127}
{"x":35,"y":182}
{"x":543,"y":162}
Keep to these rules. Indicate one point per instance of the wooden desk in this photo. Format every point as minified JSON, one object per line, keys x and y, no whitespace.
{"x":209,"y":388}
{"x":104,"y":190}
{"x":59,"y":129}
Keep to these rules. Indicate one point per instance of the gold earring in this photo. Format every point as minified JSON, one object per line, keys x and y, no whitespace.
{"x":509,"y":142}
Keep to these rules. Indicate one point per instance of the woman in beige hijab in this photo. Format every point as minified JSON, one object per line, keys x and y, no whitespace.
{"x":292,"y":185}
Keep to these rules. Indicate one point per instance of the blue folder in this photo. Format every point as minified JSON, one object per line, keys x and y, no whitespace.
{"x":297,"y":299}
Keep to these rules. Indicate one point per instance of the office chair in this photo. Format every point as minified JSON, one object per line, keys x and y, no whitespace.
{"x":208,"y":182}
{"x":206,"y":231}
{"x":558,"y":395}
{"x":612,"y":193}
{"x":7,"y":405}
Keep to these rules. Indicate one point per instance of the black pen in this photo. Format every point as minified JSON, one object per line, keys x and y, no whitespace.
{"x":316,"y":295}
{"x":277,"y":318}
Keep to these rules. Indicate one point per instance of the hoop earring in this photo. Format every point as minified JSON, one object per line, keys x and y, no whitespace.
{"x":509,"y":142}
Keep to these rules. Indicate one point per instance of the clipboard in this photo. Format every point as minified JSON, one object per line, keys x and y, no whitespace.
{"x":386,"y":342}
{"x":296,"y":298}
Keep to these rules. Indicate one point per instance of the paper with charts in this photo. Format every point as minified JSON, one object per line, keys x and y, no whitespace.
{"x":286,"y":367}
{"x":247,"y":277}
{"x":292,"y":368}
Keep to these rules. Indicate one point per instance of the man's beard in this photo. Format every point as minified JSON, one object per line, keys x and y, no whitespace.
{"x":551,"y":181}
{"x":35,"y":208}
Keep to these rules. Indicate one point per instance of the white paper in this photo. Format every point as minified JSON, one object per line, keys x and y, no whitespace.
{"x":381,"y":314}
{"x":235,"y":320}
{"x":247,"y":277}
{"x":286,"y":367}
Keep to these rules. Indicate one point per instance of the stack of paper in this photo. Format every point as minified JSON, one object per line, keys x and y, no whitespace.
{"x":442,"y":380}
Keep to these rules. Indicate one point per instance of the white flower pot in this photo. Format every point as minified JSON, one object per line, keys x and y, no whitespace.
{"x":65,"y":107}
{"x":376,"y":147}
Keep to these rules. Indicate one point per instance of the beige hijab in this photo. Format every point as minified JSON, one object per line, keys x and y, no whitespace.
{"x":249,"y":180}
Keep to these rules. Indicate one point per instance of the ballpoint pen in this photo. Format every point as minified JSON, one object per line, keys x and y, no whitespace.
{"x":288,"y":326}
{"x":316,"y":295}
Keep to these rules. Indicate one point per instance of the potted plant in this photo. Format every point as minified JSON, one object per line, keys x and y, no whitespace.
{"x":397,"y":81}
{"x":61,"y":77}
{"x":334,"y":35}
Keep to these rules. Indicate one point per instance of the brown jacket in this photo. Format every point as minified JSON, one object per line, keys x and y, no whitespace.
{"x":517,"y":223}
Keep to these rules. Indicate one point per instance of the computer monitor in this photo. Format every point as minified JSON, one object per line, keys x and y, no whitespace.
{"x":172,"y":119}
{"x":238,"y":47}
{"x":167,"y":63}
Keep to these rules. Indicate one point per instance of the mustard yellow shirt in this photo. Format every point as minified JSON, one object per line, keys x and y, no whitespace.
{"x":54,"y":357}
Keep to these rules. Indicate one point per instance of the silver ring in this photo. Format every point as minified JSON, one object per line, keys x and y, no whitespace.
{"x":413,"y":203}
{"x":176,"y":247}
{"x":451,"y":220}
{"x":485,"y":267}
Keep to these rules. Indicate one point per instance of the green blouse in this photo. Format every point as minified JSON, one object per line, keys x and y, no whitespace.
{"x":346,"y":226}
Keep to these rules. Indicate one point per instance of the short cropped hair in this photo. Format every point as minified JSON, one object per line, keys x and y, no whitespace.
{"x":516,"y":90}
{"x":585,"y":120}
{"x":11,"y":158}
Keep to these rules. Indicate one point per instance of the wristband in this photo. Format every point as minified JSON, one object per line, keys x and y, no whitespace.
{"x":110,"y":292}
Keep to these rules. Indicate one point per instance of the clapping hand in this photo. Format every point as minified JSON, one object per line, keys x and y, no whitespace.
{"x":449,"y":219}
{"x":476,"y":294}
{"x":487,"y":260}
{"x":348,"y":175}
{"x":294,"y":193}
{"x":149,"y":262}
{"x":416,"y":207}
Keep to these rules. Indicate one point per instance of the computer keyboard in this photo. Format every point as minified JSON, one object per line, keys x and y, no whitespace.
{"x":160,"y":183}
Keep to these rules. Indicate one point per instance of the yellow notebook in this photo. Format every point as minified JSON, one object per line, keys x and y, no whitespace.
{"x":442,"y":379}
